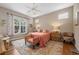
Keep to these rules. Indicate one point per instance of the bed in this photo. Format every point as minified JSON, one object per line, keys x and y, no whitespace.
{"x":38,"y":37}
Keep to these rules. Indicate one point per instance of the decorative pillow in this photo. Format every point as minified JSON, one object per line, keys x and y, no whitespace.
{"x":47,"y":30}
{"x":41,"y":30}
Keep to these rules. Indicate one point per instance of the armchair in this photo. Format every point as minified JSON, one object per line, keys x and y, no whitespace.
{"x":68,"y":37}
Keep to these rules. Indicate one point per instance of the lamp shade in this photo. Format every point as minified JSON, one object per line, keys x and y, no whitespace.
{"x":56,"y":27}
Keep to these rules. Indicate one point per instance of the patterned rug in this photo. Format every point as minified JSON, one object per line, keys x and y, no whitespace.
{"x":52,"y":48}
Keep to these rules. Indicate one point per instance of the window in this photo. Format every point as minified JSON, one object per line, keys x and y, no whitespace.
{"x":63,"y":16}
{"x":16,"y":25}
{"x":23,"y":27}
{"x":20,"y":25}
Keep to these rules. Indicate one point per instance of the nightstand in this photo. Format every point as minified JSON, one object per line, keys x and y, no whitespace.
{"x":56,"y":36}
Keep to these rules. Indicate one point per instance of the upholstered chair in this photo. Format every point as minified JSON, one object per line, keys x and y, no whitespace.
{"x":32,"y":40}
{"x":68,"y":37}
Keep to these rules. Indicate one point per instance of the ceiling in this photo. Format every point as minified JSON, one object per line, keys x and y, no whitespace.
{"x":43,"y":7}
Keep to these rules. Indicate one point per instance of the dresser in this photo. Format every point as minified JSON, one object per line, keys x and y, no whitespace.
{"x":56,"y":36}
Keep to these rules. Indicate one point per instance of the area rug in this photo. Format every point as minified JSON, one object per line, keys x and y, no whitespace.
{"x":52,"y":48}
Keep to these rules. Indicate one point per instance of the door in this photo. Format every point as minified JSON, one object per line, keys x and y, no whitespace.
{"x":76,"y":30}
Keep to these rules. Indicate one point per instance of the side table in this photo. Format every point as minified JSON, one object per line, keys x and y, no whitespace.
{"x":7,"y":42}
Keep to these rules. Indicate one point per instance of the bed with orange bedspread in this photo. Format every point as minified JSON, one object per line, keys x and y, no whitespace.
{"x":39,"y":37}
{"x":43,"y":37}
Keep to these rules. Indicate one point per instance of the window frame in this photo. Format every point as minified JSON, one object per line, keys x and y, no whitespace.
{"x":21,"y":20}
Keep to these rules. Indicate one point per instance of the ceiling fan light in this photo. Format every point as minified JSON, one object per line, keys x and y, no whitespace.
{"x":34,"y":9}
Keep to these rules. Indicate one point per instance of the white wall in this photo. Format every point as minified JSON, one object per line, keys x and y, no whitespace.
{"x":75,"y":25}
{"x":4,"y":16}
{"x":46,"y":21}
{"x":3,"y":28}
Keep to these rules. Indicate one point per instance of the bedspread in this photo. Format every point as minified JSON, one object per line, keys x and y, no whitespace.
{"x":43,"y":37}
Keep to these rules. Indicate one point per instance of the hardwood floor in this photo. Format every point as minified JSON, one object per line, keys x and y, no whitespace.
{"x":67,"y":50}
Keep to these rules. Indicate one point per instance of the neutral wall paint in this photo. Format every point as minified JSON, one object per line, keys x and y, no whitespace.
{"x":47,"y":20}
{"x":76,"y":27}
{"x":4,"y":16}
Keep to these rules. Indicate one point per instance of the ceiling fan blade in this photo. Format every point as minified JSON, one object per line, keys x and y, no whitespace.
{"x":34,"y":9}
{"x":28,"y":11}
{"x":34,"y":13}
{"x":37,"y":10}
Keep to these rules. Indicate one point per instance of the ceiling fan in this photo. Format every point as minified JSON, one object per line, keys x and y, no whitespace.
{"x":33,"y":9}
